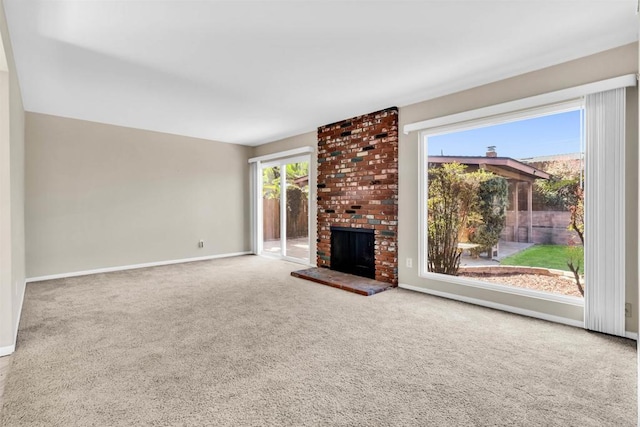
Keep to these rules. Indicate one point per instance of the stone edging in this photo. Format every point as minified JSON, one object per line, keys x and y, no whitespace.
{"x":509,"y":269}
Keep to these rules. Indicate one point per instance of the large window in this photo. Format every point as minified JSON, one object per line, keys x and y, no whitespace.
{"x":503,"y":202}
{"x":515,"y":175}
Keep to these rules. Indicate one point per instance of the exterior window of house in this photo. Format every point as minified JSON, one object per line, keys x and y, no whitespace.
{"x":503,"y":203}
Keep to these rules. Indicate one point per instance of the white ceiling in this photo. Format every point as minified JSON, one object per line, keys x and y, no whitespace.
{"x":252,"y":72}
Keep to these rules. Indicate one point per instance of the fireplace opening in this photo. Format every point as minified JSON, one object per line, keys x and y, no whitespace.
{"x":352,"y":251}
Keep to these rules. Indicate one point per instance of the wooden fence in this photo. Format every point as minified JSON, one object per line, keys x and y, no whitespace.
{"x":548,"y":227}
{"x":297,"y":217}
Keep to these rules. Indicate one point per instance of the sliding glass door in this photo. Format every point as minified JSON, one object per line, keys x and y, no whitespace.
{"x":285,"y":208}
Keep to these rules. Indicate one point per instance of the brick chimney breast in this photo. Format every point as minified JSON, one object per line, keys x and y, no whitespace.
{"x":491,"y":151}
{"x":358,"y":185}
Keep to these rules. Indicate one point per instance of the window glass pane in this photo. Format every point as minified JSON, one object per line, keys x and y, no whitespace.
{"x":297,"y":238}
{"x":271,"y":210}
{"x":505,"y":204}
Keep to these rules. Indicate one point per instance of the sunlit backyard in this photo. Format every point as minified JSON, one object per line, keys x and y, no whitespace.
{"x":512,"y":213}
{"x":546,"y":256}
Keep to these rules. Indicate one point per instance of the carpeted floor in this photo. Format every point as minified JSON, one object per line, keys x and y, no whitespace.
{"x":240,"y":342}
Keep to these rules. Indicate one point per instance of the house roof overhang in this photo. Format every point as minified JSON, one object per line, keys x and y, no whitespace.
{"x":502,"y":166}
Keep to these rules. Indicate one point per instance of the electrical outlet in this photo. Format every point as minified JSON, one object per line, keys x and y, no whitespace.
{"x":201,"y":244}
{"x":409,"y":263}
{"x":627,"y":310}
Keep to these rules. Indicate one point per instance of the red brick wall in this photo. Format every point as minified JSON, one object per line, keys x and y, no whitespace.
{"x":358,"y":185}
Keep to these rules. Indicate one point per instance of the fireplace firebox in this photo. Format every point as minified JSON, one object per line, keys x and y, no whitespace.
{"x":352,"y":251}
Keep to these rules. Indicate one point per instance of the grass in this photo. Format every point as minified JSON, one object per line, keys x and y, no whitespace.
{"x":546,"y":256}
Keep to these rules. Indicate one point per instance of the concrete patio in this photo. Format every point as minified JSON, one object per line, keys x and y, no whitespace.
{"x":505,"y":249}
{"x":296,"y":248}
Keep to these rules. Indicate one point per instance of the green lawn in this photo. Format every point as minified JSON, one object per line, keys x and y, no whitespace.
{"x":547,"y":256}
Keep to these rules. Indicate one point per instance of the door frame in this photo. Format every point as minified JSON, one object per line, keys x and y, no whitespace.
{"x":281,"y":163}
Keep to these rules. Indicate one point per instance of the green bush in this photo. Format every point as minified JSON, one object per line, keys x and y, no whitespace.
{"x":462,"y":203}
{"x":492,"y":208}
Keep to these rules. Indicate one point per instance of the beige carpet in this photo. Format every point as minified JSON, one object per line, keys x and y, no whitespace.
{"x":240,"y":342}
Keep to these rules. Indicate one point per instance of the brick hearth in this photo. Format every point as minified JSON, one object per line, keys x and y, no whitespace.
{"x":358,"y":185}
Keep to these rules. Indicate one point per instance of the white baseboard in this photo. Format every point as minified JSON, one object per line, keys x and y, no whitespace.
{"x":507,"y":308}
{"x":133,"y":267}
{"x":7,"y":350}
{"x":15,"y":333}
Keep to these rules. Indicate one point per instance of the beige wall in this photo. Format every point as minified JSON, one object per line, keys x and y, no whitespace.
{"x":100,"y":196}
{"x":304,"y":140}
{"x":613,"y":63}
{"x":6,"y":287}
{"x":12,"y":241}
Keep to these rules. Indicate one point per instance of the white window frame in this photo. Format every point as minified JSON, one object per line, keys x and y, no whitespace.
{"x":557,"y":108}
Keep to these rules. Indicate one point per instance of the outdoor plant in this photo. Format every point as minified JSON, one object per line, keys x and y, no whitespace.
{"x":558,"y":192}
{"x":574,"y":262}
{"x":576,"y":256}
{"x":577,"y":213}
{"x":446,"y":184}
{"x":492,"y":209}
{"x":271,"y":179}
{"x":296,"y":202}
{"x":297,"y":195}
{"x":271,"y":183}
{"x":458,"y":201}
{"x":564,"y":191}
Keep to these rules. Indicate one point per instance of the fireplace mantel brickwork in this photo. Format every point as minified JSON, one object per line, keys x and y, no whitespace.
{"x":358,"y":185}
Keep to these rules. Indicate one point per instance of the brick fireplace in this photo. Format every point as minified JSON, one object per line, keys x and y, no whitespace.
{"x":358,"y":186}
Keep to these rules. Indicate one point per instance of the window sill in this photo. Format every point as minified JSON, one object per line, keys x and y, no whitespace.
{"x":530,"y":293}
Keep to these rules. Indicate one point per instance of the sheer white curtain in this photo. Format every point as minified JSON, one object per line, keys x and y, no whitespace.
{"x":604,"y":212}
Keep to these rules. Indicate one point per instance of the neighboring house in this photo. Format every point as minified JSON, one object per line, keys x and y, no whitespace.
{"x":532,"y":221}
{"x":520,"y":225}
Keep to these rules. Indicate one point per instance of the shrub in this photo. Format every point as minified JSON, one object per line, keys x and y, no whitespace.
{"x":460,"y":201}
{"x":492,"y":208}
